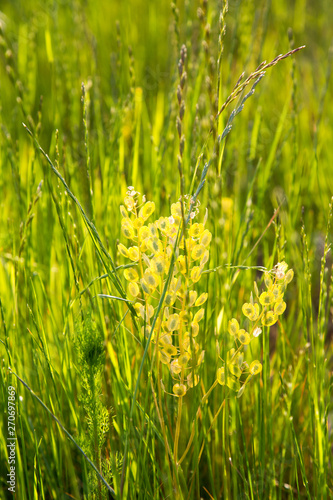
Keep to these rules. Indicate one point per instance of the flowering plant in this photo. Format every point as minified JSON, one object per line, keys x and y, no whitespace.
{"x":177,"y":329}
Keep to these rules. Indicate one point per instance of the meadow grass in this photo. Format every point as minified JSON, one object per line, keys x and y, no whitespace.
{"x":99,"y":96}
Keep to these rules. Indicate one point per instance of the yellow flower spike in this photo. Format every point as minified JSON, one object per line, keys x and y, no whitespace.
{"x":131,"y":274}
{"x":133,"y":289}
{"x":147,"y":209}
{"x":280,"y":307}
{"x":269,"y":318}
{"x":184,"y":359}
{"x":192,"y":297}
{"x":139,"y":222}
{"x":195,"y":329}
{"x":205,"y":258}
{"x":199,"y":315}
{"x":173,"y":322}
{"x":255,"y":367}
{"x":196,"y":230}
{"x":175,"y":367}
{"x":129,"y":202}
{"x":266,"y":298}
{"x":197,"y":252}
{"x":233,"y":326}
{"x":123,"y":211}
{"x":122,"y":250}
{"x":221,"y":376}
{"x":244,"y":337}
{"x":170,"y":350}
{"x":196,"y":273}
{"x":179,"y":390}
{"x":133,"y":253}
{"x":201,"y":300}
{"x":206,"y":238}
{"x":157,"y":264}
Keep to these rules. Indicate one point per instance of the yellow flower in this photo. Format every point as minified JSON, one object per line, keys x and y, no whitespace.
{"x":243,"y":337}
{"x":201,"y":300}
{"x":198,"y":251}
{"x":122,"y":250}
{"x":173,"y":322}
{"x":147,"y":209}
{"x":221,"y":376}
{"x":131,"y":274}
{"x":176,"y":210}
{"x":205,"y":238}
{"x":133,"y":253}
{"x":233,"y":326}
{"x":196,"y":230}
{"x":269,"y":318}
{"x":199,"y":315}
{"x":266,"y":298}
{"x":255,"y":367}
{"x":251,"y":311}
{"x":179,"y":390}
{"x":280,"y":307}
{"x":192,"y":297}
{"x":127,"y":229}
{"x":196,"y":273}
{"x":133,"y":289}
{"x":157,"y":264}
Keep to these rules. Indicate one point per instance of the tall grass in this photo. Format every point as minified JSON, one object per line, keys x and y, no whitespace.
{"x":119,"y":94}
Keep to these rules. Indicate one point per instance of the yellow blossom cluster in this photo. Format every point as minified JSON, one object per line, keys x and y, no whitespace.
{"x":177,"y":329}
{"x":262,"y":311}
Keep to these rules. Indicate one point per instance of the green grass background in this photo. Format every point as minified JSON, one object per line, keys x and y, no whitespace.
{"x":276,"y":441}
